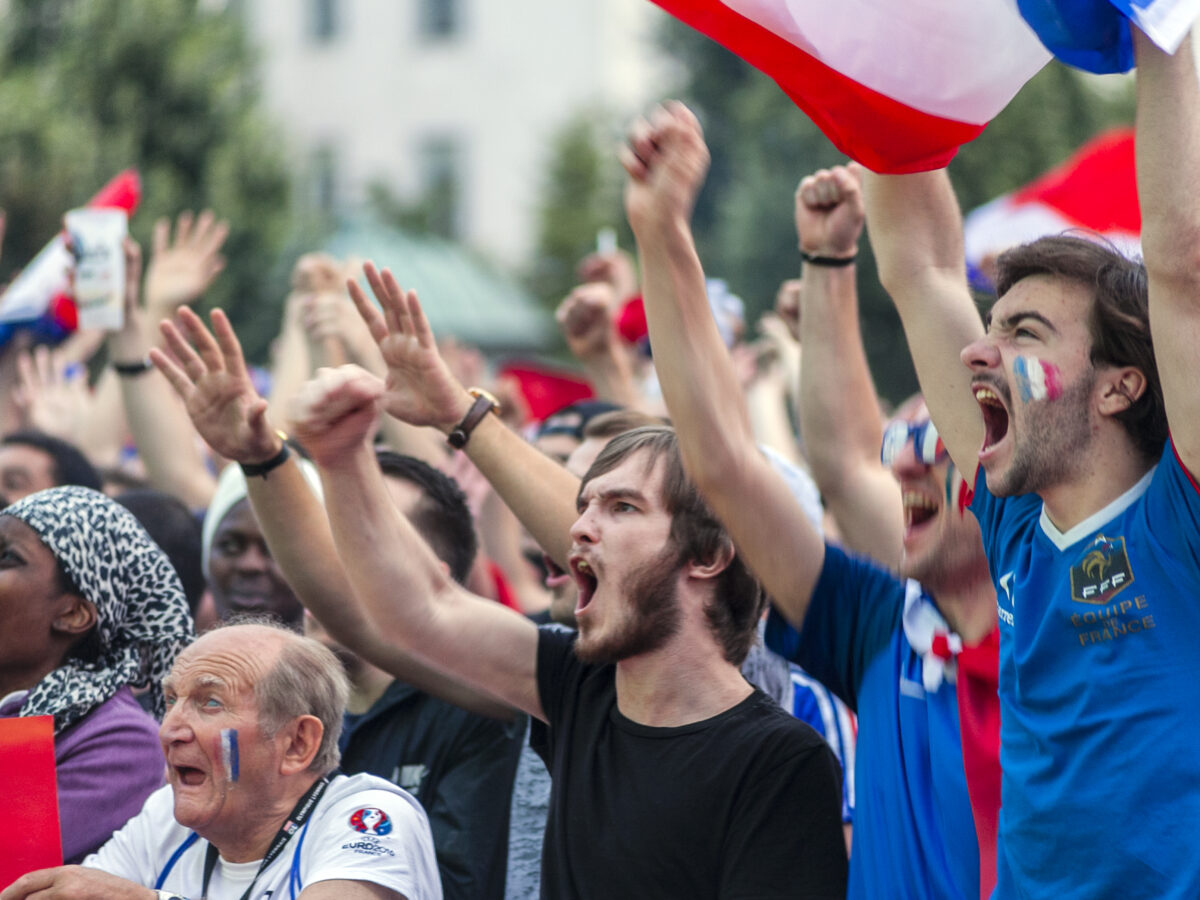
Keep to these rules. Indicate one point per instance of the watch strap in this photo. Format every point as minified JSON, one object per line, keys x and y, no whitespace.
{"x":264,"y":468}
{"x":461,"y":433}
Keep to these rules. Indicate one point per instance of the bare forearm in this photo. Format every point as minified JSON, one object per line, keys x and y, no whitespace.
{"x":537,"y":489}
{"x":390,"y":569}
{"x":767,"y":404}
{"x":840,"y":416}
{"x":711,"y":420}
{"x":839,"y":409}
{"x":1168,"y":159}
{"x":166,"y":440}
{"x":916,"y":229}
{"x":697,"y":376}
{"x":103,"y":426}
{"x":612,"y":379}
{"x":412,"y":600}
{"x":290,"y":368}
{"x":298,"y":534}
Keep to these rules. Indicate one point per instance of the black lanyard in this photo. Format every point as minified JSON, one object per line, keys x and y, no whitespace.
{"x":300,"y":813}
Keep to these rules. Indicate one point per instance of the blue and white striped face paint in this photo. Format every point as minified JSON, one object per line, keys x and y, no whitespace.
{"x":229,"y":753}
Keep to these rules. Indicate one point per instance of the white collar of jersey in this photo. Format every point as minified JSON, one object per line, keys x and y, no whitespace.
{"x":1064,"y":539}
{"x":930,"y":637}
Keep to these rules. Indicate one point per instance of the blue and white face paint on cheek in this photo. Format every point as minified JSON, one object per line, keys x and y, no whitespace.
{"x":1037,"y":380}
{"x":229,"y":754}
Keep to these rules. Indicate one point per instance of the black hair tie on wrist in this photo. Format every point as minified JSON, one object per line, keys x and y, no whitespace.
{"x":831,"y":262}
{"x":132,"y":369}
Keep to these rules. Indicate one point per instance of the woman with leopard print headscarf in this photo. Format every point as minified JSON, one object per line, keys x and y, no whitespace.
{"x":90,"y":607}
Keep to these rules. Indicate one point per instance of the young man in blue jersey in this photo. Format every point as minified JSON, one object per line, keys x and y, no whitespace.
{"x":858,"y":628}
{"x":1090,"y":515}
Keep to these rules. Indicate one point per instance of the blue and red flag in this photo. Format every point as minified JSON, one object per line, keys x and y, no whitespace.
{"x":900,"y":85}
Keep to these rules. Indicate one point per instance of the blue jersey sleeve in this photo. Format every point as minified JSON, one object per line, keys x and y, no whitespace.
{"x":854,"y":610}
{"x":1172,"y":510}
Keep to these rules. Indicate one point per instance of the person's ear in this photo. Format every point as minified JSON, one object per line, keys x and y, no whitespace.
{"x":720,"y":560}
{"x":1120,"y":389}
{"x":302,"y":740}
{"x":78,"y":618}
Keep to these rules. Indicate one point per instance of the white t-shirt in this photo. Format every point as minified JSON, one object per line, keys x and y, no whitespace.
{"x":364,"y":829}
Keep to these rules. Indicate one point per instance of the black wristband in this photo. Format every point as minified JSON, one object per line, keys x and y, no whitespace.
{"x":830,"y":262}
{"x":262,"y":469}
{"x":132,"y":369}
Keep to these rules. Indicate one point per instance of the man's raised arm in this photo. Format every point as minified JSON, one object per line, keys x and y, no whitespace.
{"x":1168,"y":176}
{"x":406,"y":591}
{"x":916,"y":232}
{"x":423,"y":391}
{"x":231,"y":416}
{"x":839,"y":410}
{"x":666,"y":161}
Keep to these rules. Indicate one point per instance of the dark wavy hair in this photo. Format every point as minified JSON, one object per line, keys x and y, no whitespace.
{"x":738,"y":599}
{"x":1119,"y":322}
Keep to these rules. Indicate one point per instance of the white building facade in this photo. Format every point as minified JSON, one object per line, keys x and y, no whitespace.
{"x":462,"y":96}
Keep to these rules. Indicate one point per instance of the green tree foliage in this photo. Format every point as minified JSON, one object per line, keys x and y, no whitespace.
{"x":91,"y":87}
{"x":580,"y":195}
{"x":762,"y":145}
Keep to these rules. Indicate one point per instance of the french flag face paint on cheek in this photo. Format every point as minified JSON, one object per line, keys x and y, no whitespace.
{"x":1037,"y":380}
{"x":229,"y":753}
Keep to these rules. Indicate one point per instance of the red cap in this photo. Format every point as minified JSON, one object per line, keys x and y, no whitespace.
{"x":631,"y":320}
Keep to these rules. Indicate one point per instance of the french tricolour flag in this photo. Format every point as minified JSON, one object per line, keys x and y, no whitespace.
{"x":900,"y":85}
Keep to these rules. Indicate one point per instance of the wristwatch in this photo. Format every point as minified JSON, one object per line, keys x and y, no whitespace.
{"x":169,"y":895}
{"x":485,"y":402}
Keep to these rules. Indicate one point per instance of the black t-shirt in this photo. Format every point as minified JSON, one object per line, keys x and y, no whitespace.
{"x":746,"y":804}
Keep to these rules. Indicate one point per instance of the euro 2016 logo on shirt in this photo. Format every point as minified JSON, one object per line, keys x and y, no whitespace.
{"x":370,"y":820}
{"x":1102,"y":571}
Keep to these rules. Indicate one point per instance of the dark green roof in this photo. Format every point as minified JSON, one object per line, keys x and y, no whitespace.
{"x":462,"y":295}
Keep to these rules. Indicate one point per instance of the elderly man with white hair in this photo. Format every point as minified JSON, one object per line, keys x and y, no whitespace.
{"x":252,"y":808}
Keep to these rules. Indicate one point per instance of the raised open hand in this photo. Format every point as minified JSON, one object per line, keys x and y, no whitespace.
{"x":181,"y":269}
{"x":52,"y":393}
{"x":216,"y":388}
{"x":830,"y":212}
{"x":420,"y":388}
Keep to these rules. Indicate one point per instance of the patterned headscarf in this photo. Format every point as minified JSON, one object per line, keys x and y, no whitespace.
{"x":142,"y":618}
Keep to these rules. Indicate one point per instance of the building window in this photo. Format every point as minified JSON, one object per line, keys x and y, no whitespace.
{"x":322,"y":20}
{"x":440,"y":19}
{"x":441,"y":163}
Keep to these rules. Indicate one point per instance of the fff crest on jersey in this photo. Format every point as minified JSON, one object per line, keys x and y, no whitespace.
{"x":1101,"y":572}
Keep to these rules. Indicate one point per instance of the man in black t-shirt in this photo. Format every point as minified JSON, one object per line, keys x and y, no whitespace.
{"x":673,"y":777}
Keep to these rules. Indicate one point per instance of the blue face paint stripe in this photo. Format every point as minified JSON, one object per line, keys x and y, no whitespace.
{"x":229,"y":746}
{"x":1022,"y":373}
